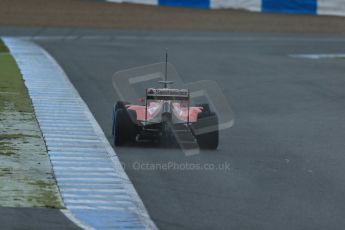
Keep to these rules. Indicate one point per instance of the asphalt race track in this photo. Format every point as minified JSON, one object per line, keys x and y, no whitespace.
{"x":34,"y":219}
{"x":285,"y":151}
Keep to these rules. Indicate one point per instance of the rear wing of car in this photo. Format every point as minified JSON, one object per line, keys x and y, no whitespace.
{"x":167,"y":94}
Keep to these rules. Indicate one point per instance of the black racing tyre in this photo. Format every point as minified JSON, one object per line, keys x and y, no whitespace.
{"x":206,"y":130}
{"x":124,"y":126}
{"x":120,"y":105}
{"x":117,"y":106}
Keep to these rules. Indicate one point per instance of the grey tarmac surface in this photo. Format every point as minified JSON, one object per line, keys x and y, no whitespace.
{"x":286,"y":150}
{"x":34,"y":219}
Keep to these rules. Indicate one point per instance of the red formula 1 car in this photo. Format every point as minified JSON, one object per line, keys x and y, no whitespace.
{"x":166,"y":116}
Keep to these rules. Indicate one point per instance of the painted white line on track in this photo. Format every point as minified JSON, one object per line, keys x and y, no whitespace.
{"x":72,"y":148}
{"x":85,"y":184}
{"x":90,"y":173}
{"x":71,"y":140}
{"x":81,"y":158}
{"x":87,"y":155}
{"x":90,"y":179}
{"x":84,"y":164}
{"x":96,"y":196}
{"x":198,"y":38}
{"x":318,"y":56}
{"x":85,"y":207}
{"x":82,"y":168}
{"x":99,"y":191}
{"x":76,"y":152}
{"x":106,"y":201}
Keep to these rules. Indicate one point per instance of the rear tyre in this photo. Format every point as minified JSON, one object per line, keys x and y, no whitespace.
{"x":206,"y":130}
{"x":121,"y":105}
{"x":117,"y":106}
{"x":124,"y":126}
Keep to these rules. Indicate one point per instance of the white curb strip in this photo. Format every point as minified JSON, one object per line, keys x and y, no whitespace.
{"x":92,"y":182}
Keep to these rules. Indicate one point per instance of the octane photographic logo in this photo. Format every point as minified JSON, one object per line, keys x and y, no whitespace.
{"x":138,"y":88}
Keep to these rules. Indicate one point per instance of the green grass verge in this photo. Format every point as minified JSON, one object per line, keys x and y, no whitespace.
{"x":15,"y":136}
{"x":13,"y":93}
{"x":46,"y":195}
{"x":24,"y":185}
{"x":3,"y":48}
